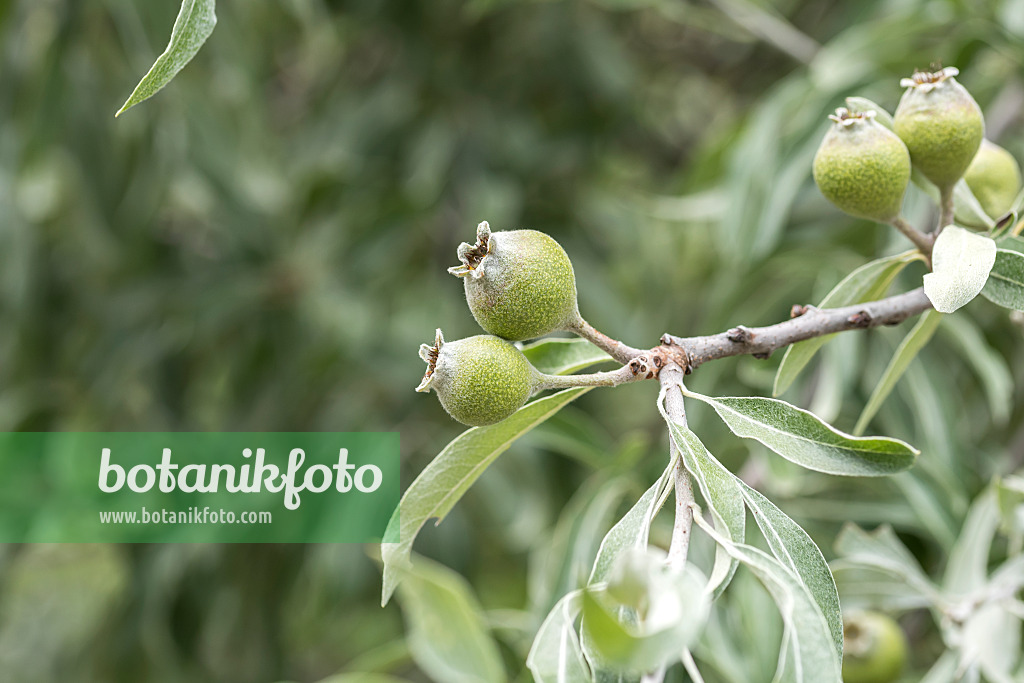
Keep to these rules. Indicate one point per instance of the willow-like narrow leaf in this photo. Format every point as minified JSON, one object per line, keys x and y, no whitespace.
{"x":907,"y":351}
{"x":448,"y":476}
{"x":802,"y":438}
{"x":722,"y":494}
{"x":194,"y":24}
{"x":556,"y":655}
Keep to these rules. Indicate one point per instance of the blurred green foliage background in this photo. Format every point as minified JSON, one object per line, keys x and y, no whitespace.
{"x":263,"y":247}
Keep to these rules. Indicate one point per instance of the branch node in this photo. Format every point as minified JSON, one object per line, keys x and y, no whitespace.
{"x":860,"y":319}
{"x":798,"y":310}
{"x":740,"y":335}
{"x":641,"y":365}
{"x":667,"y":340}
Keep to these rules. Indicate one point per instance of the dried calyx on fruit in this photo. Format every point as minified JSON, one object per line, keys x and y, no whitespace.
{"x":479,"y":380}
{"x":862,"y":167}
{"x":874,"y":648}
{"x":994,"y":178}
{"x":519,"y":283}
{"x":941,"y":125}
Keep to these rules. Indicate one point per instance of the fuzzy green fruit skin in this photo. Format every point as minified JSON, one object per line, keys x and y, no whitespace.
{"x":524,"y":288}
{"x":878,"y":652}
{"x":994,"y":178}
{"x":943,"y":129}
{"x":482,"y":380}
{"x":864,"y":169}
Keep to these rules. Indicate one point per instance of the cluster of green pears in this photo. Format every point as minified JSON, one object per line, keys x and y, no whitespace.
{"x":864,"y":167}
{"x":519,"y":285}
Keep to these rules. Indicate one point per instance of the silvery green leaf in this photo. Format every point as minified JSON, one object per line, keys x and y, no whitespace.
{"x":447,"y":632}
{"x":967,"y":209}
{"x":907,"y":351}
{"x":194,"y":24}
{"x":556,"y":655}
{"x":726,"y":495}
{"x":961,"y":262}
{"x":992,"y":640}
{"x":449,"y":475}
{"x":808,"y":653}
{"x":792,"y":546}
{"x":632,"y":530}
{"x":723,"y":495}
{"x":1005,"y":285}
{"x":868,"y":283}
{"x":563,"y":356}
{"x":800,"y":437}
{"x":675,"y":606}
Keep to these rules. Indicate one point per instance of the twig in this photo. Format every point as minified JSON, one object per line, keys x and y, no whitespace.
{"x":639,"y":368}
{"x":810,"y":322}
{"x":671,"y":379}
{"x":920,"y":240}
{"x":614,"y":348}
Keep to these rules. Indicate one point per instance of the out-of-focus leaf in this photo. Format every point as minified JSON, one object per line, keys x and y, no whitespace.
{"x":907,"y":351}
{"x":722,"y":494}
{"x":967,"y":568}
{"x":868,"y":283}
{"x":632,"y":530}
{"x":194,"y":24}
{"x":1005,"y":285}
{"x":800,"y":437}
{"x":564,"y":356}
{"x":966,"y":207}
{"x":448,"y":635}
{"x":675,"y":605}
{"x":556,"y":655}
{"x":361,"y":678}
{"x":961,"y":263}
{"x":809,"y":652}
{"x":990,"y":367}
{"x":944,"y":670}
{"x":449,"y":475}
{"x":1010,"y":499}
{"x":882,"y":550}
{"x":991,"y":639}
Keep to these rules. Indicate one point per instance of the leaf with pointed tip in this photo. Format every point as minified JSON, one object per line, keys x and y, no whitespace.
{"x":194,"y":24}
{"x":448,"y":476}
{"x":448,"y":635}
{"x":1005,"y":284}
{"x":907,"y":351}
{"x":802,"y":438}
{"x":961,"y":263}
{"x":868,"y":283}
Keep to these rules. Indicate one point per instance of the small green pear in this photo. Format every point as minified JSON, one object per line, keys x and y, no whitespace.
{"x":862,"y":167}
{"x":519,"y":283}
{"x":874,"y":650}
{"x":994,"y":178}
{"x":941,"y":125}
{"x":479,"y":380}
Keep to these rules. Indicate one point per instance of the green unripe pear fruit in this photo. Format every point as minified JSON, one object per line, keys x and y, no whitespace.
{"x":874,"y":650}
{"x":479,"y":380}
{"x":994,"y":178}
{"x":862,"y":167}
{"x":519,"y":284}
{"x":941,"y":125}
